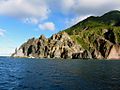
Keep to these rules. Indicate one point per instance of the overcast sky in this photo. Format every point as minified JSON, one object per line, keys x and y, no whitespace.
{"x":24,"y":19}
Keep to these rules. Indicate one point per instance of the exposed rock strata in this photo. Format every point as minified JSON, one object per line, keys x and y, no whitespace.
{"x":58,"y":46}
{"x":62,"y":46}
{"x":114,"y":52}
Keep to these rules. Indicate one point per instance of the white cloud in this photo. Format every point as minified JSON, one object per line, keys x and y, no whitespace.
{"x":85,"y":7}
{"x":31,"y":20}
{"x":80,"y":9}
{"x":71,"y":22}
{"x":67,"y":5}
{"x":47,"y":26}
{"x":6,"y":51}
{"x":36,"y":11}
{"x":25,"y":9}
{"x":92,"y":3}
{"x":40,"y":9}
{"x":2,"y":32}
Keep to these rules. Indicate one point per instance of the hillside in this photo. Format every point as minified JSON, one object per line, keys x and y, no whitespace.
{"x":95,"y":37}
{"x":98,"y":34}
{"x":109,"y":19}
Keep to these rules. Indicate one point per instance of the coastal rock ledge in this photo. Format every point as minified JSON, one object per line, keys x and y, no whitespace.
{"x":57,"y":46}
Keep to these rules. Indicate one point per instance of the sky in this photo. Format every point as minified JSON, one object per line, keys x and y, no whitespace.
{"x":24,"y":19}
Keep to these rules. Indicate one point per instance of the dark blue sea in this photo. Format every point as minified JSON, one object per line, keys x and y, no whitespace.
{"x":54,"y":74}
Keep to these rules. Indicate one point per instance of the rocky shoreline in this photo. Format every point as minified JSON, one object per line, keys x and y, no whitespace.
{"x":60,"y":46}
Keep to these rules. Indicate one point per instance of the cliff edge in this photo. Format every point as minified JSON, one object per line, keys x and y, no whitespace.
{"x":57,"y":46}
{"x":95,"y":37}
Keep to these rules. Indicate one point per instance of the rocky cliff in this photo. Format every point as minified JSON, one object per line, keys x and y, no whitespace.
{"x":94,"y":37}
{"x":58,"y":46}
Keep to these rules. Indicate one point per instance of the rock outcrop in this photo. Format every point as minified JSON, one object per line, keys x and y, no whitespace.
{"x":114,"y":52}
{"x":95,"y":37}
{"x":58,"y":46}
{"x":62,"y":46}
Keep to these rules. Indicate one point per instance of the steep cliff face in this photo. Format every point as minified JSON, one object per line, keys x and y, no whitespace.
{"x":58,"y":46}
{"x":114,"y":52}
{"x":94,"y":37}
{"x":99,"y":35}
{"x":98,"y":42}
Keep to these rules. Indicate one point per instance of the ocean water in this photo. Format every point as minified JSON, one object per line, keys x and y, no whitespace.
{"x":53,"y":74}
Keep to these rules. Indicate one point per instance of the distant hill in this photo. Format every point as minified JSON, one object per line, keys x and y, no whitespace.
{"x":95,"y":37}
{"x":111,"y":18}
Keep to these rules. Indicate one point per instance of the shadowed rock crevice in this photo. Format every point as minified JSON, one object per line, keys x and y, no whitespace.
{"x":109,"y":35}
{"x":29,"y":51}
{"x":58,"y":46}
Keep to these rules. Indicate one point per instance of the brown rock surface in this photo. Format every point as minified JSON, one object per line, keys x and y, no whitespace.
{"x":114,"y":52}
{"x":58,"y":46}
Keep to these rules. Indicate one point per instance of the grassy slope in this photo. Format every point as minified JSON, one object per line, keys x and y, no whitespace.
{"x":89,"y":30}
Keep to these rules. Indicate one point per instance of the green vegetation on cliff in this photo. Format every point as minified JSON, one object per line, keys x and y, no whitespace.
{"x":97,"y":34}
{"x":94,"y":37}
{"x":108,"y":20}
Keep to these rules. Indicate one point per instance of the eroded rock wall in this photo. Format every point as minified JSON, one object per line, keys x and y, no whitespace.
{"x":58,"y":46}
